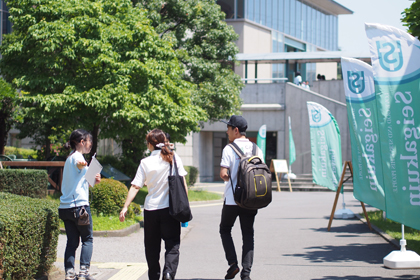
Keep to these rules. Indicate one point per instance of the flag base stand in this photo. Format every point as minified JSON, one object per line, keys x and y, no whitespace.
{"x":402,"y":259}
{"x":291,"y":176}
{"x":344,"y":213}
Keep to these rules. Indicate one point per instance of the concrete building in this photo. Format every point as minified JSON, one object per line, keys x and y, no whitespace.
{"x":278,"y":38}
{"x":271,"y":26}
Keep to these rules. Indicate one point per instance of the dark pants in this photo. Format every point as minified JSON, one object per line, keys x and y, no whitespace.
{"x":158,"y":225}
{"x":74,"y":233}
{"x":246,"y":219}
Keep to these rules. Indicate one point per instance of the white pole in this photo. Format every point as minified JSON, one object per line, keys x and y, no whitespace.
{"x":403,"y":242}
{"x":344,"y":204}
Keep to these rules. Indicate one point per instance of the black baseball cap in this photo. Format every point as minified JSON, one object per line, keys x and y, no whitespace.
{"x":237,"y":121}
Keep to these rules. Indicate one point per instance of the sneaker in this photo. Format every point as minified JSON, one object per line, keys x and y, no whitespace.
{"x":232,"y":271}
{"x":70,"y":274}
{"x":246,"y":278}
{"x":84,"y":273}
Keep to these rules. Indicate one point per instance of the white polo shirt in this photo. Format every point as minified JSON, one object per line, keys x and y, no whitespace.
{"x":153,"y":171}
{"x":231,"y":161}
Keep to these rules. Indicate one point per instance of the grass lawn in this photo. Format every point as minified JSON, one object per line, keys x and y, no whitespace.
{"x":193,"y":195}
{"x":393,"y":229}
{"x":101,"y":223}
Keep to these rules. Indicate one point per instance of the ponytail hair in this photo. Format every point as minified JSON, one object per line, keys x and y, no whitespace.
{"x":156,"y":138}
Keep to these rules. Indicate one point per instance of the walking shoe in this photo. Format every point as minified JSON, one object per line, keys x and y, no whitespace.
{"x":84,"y":273}
{"x":246,"y":278}
{"x":232,"y":271}
{"x":167,"y":276}
{"x":70,"y":274}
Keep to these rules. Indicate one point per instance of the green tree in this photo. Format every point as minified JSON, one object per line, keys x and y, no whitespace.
{"x":97,"y":65}
{"x":9,"y":111}
{"x":411,"y":17}
{"x":205,"y":46}
{"x":49,"y":134}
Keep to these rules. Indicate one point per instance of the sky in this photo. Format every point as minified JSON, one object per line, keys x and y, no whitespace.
{"x":351,"y":28}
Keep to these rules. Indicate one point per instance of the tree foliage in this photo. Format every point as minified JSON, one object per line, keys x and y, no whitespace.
{"x":97,"y":65}
{"x":9,"y":112}
{"x":205,"y":45}
{"x":411,"y":19}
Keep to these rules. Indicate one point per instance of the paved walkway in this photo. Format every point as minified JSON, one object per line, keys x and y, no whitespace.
{"x":291,"y":242}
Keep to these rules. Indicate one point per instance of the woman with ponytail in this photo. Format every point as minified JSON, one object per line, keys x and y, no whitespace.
{"x":75,"y":195}
{"x":153,"y":171}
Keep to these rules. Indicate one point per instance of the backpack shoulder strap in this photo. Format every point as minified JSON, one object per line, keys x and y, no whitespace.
{"x":254,"y":149}
{"x":237,"y":150}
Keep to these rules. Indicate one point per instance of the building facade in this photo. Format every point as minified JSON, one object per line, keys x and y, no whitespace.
{"x":270,"y":26}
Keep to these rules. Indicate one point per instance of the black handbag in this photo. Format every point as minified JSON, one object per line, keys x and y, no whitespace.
{"x":179,"y":206}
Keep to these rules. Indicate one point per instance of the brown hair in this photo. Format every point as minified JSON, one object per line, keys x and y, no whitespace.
{"x":155,"y":137}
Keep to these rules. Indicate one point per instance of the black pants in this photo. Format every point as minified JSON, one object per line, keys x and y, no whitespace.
{"x":246,"y":219}
{"x":158,"y":225}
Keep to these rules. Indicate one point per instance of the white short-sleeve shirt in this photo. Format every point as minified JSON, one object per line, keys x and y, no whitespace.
{"x":231,"y":161}
{"x":153,"y":172}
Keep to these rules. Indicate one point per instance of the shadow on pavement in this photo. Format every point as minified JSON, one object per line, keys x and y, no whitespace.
{"x":350,"y":228}
{"x":370,"y":253}
{"x":353,"y":277}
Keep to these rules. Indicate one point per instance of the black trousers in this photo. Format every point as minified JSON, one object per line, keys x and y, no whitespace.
{"x":246,"y":219}
{"x":158,"y":225}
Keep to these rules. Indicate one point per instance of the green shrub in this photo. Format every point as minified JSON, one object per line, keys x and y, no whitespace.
{"x":108,"y":198}
{"x":192,"y":175}
{"x":29,"y":230}
{"x":27,"y":182}
{"x":20,"y":152}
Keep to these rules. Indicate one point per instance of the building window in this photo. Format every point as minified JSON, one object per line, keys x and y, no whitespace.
{"x":286,"y":14}
{"x":240,"y":7}
{"x":269,"y":13}
{"x":250,"y":10}
{"x":257,"y":11}
{"x":228,"y":7}
{"x":292,"y":18}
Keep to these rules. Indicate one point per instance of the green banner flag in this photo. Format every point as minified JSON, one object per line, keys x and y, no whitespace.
{"x":364,"y":132}
{"x":262,"y":133}
{"x":292,"y":150}
{"x":325,"y":146}
{"x":396,"y":69}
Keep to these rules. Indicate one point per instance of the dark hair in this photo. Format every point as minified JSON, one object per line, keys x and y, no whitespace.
{"x":76,"y":137}
{"x":155,"y":137}
{"x":168,"y":136}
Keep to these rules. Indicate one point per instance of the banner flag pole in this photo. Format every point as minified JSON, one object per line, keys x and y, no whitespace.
{"x":292,"y":152}
{"x":395,"y":55}
{"x":261,"y":139}
{"x":325,"y":146}
{"x":366,"y":156}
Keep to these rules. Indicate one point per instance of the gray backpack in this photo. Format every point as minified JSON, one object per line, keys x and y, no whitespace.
{"x":253,"y":188}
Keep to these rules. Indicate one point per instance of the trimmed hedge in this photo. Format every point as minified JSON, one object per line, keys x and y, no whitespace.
{"x":27,"y":182}
{"x":29,"y":229}
{"x":20,"y":152}
{"x":192,"y":175}
{"x":108,"y":198}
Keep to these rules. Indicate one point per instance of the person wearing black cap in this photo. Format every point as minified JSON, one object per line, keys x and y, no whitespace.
{"x":236,"y":131}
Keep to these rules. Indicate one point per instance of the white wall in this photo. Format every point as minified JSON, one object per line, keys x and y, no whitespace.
{"x":328,"y":69}
{"x":253,"y":38}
